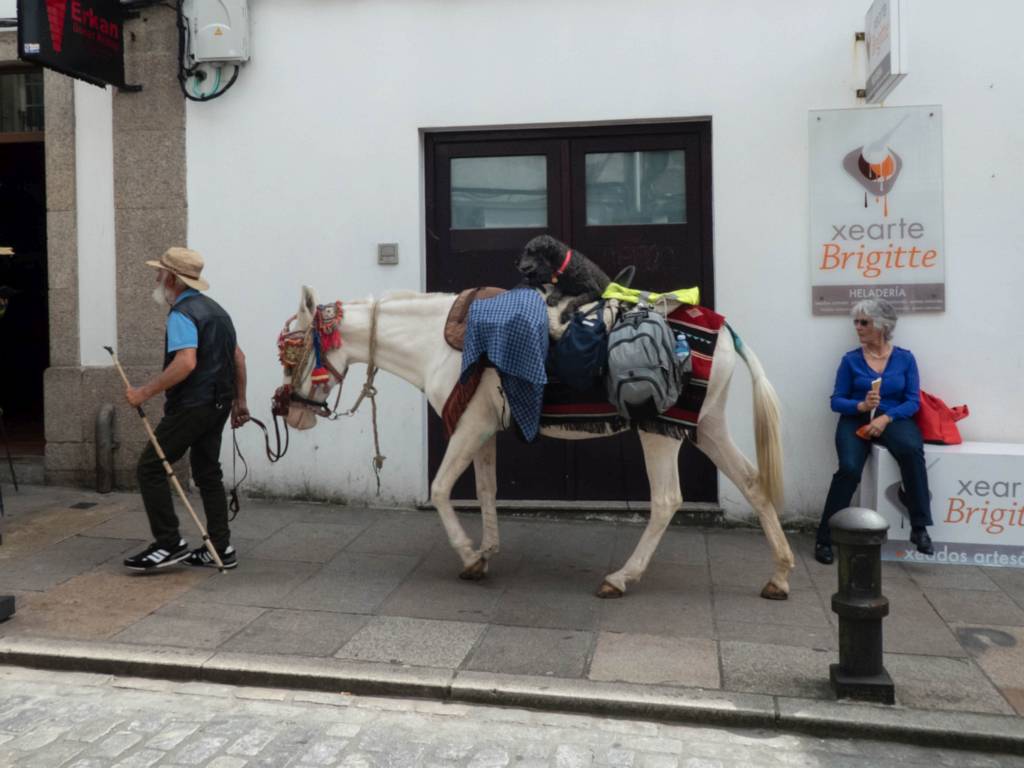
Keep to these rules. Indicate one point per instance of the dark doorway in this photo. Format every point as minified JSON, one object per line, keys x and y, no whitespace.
{"x":637,"y":194}
{"x":24,"y":326}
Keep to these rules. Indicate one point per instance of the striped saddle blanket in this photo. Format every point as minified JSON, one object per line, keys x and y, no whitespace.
{"x":592,"y":412}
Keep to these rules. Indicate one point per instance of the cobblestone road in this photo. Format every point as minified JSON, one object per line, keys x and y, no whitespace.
{"x":74,"y":720}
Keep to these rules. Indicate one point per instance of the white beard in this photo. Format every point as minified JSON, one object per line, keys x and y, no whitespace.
{"x":162,"y":296}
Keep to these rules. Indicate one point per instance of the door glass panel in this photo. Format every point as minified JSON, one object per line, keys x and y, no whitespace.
{"x":21,"y":102}
{"x":499,"y":192}
{"x":636,"y":187}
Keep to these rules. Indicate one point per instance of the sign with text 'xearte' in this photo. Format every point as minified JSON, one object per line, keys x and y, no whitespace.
{"x":977,"y":504}
{"x":876,"y":210}
{"x":81,"y":38}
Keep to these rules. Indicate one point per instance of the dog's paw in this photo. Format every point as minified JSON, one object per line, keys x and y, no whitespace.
{"x":553,"y":299}
{"x":566,"y":315}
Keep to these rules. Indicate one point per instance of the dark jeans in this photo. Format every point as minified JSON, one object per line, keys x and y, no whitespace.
{"x":197,"y":430}
{"x":903,"y":439}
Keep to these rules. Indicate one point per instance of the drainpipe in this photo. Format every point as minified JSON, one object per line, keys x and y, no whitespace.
{"x":105,"y":448}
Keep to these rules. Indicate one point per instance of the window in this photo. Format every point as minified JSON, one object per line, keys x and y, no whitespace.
{"x":499,"y":192}
{"x":636,"y":187}
{"x":21,"y":102}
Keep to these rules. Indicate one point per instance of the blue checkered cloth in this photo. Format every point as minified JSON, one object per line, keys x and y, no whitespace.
{"x":511,"y":331}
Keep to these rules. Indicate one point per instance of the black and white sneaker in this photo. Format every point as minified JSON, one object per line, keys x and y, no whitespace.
{"x":157,"y":556}
{"x":202,"y":556}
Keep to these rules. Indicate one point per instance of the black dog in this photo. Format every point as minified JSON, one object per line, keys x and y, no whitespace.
{"x":546,"y":261}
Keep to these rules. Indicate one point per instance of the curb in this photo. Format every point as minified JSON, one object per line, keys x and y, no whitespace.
{"x":957,"y":730}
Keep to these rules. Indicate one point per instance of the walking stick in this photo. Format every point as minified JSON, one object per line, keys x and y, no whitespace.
{"x":167,"y":468}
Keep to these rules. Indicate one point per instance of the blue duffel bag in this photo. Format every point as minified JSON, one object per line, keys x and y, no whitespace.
{"x":581,"y":354}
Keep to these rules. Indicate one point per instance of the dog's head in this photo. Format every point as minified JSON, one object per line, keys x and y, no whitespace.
{"x":540,"y":258}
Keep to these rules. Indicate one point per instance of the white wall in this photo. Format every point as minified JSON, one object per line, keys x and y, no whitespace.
{"x":94,"y":195}
{"x":8,"y":9}
{"x":316,"y":155}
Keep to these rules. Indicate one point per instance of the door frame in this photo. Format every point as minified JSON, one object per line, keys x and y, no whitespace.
{"x":434,"y":141}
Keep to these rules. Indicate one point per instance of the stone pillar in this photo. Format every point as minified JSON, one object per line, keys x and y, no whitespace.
{"x":150,"y":210}
{"x":62,"y":381}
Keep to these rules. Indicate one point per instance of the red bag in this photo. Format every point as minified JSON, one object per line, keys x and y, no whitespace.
{"x":937,"y":421}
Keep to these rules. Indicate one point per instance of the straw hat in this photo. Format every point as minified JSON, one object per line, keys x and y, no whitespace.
{"x":184,"y":263}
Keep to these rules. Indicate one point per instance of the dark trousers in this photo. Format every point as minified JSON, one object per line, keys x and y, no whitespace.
{"x":197,"y":430}
{"x":903,"y":440}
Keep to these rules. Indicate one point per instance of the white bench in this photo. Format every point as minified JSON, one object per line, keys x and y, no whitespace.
{"x":977,"y":503}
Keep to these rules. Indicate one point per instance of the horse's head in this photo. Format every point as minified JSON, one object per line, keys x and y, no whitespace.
{"x":309,"y":337}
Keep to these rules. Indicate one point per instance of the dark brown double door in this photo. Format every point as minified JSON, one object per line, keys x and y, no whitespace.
{"x":626,"y":195}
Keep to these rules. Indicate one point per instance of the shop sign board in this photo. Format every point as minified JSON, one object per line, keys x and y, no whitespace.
{"x":977,"y":492}
{"x":885,"y":33}
{"x":876,"y":208}
{"x":80,"y":38}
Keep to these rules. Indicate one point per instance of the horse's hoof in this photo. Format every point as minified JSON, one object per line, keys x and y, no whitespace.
{"x":608,"y":591}
{"x":772,"y":592}
{"x":475,"y":572}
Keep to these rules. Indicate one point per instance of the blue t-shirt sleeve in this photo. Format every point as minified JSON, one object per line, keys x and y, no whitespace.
{"x":181,"y":333}
{"x":842,"y":400}
{"x":911,"y":392}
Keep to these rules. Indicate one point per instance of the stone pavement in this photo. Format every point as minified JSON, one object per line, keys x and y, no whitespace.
{"x":75,"y":720}
{"x":367,"y":601}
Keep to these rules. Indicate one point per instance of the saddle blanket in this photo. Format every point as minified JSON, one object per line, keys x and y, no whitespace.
{"x":592,"y":412}
{"x":511,"y":332}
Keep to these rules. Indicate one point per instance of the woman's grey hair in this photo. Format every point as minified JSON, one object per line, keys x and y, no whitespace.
{"x":882,"y":313}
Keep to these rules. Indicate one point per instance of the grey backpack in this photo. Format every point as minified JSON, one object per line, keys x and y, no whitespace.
{"x":644,"y":375}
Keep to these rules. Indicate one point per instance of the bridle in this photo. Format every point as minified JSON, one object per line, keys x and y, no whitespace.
{"x":295,"y":351}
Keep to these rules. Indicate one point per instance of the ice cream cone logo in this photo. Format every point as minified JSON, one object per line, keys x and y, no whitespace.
{"x":876,"y":166}
{"x":55,"y":10}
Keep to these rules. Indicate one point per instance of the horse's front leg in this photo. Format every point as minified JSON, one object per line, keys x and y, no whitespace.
{"x":475,"y":430}
{"x":485,"y":469}
{"x":661,"y":457}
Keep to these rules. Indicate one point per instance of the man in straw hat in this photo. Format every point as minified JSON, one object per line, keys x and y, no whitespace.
{"x":204,"y":380}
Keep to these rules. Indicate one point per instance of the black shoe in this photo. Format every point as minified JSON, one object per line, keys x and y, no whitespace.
{"x":923,"y":541}
{"x":201,"y":556}
{"x":823,"y":554}
{"x":157,"y":556}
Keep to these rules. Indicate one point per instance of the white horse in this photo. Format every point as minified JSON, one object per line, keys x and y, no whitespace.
{"x":404,"y":335}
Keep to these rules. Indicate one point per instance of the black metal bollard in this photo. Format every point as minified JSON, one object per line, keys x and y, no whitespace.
{"x":859,"y":534}
{"x":105,"y":448}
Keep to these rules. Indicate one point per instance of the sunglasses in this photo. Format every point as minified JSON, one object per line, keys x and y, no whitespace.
{"x":862,"y":323}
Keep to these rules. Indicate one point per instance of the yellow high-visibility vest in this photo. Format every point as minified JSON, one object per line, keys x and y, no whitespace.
{"x":635,"y":295}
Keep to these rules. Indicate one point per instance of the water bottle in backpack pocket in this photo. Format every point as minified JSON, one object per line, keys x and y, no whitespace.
{"x":645,"y":377}
{"x":683,"y":357}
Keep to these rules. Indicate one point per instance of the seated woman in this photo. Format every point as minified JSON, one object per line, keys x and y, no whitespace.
{"x":885,"y":416}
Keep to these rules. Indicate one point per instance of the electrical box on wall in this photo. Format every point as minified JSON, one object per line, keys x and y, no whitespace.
{"x":218,"y":30}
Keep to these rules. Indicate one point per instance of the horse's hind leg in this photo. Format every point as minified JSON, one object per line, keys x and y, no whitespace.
{"x":661,"y":457}
{"x":485,"y":470}
{"x":714,"y":440}
{"x":474,"y":431}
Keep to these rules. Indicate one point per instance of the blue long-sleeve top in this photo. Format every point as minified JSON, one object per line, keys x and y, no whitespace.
{"x":901,"y":385}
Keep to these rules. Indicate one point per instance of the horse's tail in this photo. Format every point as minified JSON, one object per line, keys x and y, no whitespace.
{"x":767,"y":425}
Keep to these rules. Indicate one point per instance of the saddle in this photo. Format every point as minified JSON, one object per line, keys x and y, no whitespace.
{"x":455,"y":325}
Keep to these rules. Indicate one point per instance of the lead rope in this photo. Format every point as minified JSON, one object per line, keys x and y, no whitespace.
{"x":370,"y":391}
{"x":234,"y":505}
